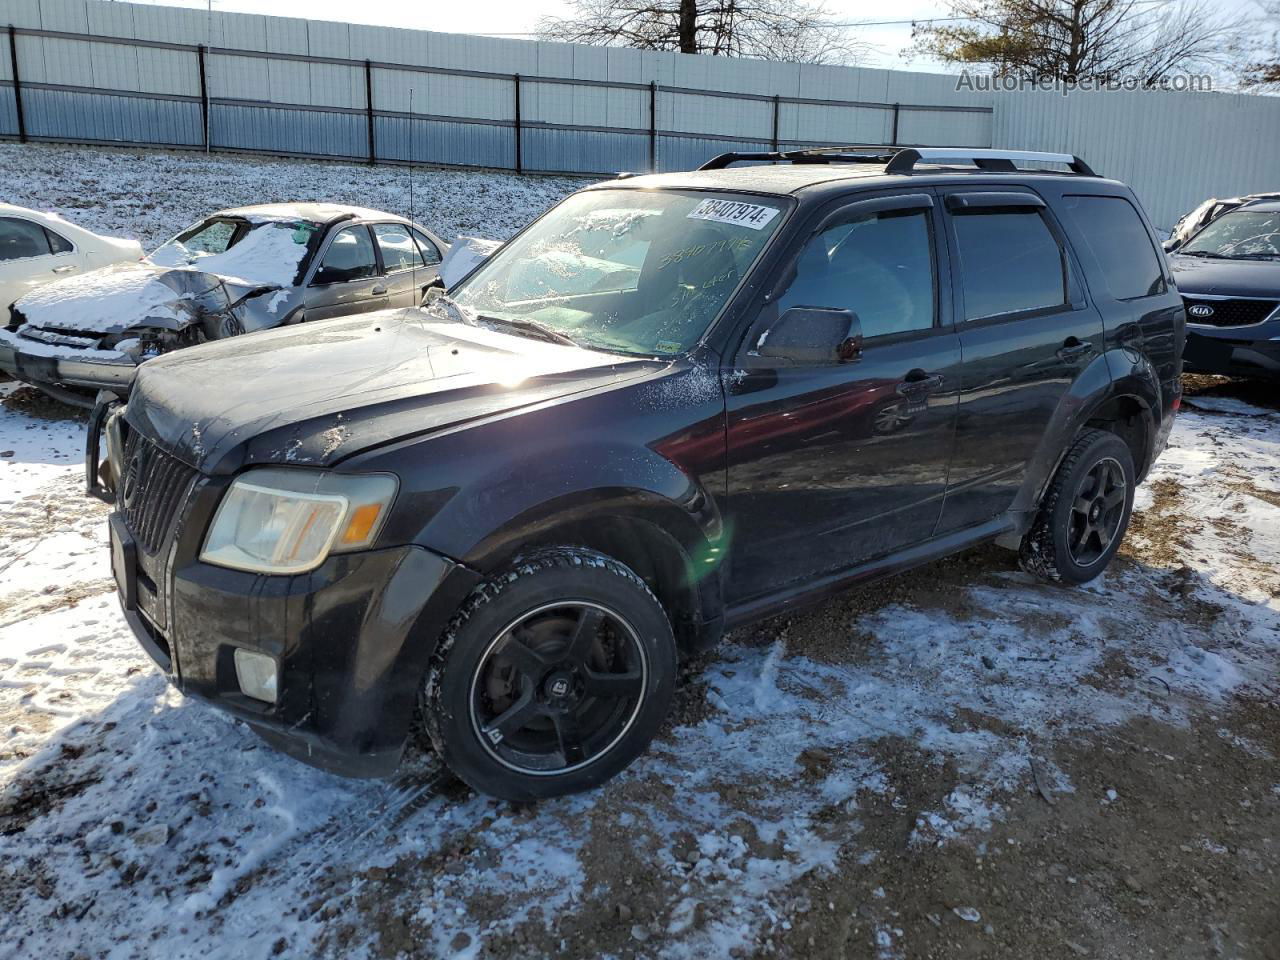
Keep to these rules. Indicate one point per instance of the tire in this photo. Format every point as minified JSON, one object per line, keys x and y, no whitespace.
{"x":1085,"y":511}
{"x":552,"y":678}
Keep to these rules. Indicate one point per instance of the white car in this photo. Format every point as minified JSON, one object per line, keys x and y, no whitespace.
{"x":37,"y":248}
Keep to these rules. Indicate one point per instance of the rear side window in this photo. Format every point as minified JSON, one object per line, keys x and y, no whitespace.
{"x":20,"y":239}
{"x":58,"y":244}
{"x":1009,"y":262}
{"x":399,"y":252}
{"x":430,"y":252}
{"x":1120,"y":243}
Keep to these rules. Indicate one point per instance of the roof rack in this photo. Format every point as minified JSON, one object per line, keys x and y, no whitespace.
{"x":902,"y":160}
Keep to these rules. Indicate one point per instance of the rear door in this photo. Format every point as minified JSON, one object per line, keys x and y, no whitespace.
{"x":402,"y":266}
{"x":1026,"y":332}
{"x":831,"y":465}
{"x":30,"y":256}
{"x":346,"y":276}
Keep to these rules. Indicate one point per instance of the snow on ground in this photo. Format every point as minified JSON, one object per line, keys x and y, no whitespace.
{"x":902,"y":720}
{"x":149,"y":195}
{"x":140,"y":818}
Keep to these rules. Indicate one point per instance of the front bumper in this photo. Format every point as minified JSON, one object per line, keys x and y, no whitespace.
{"x":351,"y":639}
{"x":69,"y":368}
{"x":1230,"y":352}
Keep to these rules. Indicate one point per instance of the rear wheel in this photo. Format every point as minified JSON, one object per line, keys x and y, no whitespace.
{"x":1085,"y":512}
{"x":552,"y":678}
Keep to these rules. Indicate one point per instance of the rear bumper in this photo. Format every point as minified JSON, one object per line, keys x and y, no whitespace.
{"x":1222,"y":353}
{"x":351,"y":641}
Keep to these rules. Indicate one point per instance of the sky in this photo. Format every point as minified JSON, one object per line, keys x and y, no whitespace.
{"x":515,"y":17}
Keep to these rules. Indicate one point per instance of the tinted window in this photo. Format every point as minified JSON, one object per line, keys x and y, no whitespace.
{"x":1119,"y":241}
{"x":1009,"y":261}
{"x":349,"y":257}
{"x":879,"y":266}
{"x":20,"y":239}
{"x":57,"y":244}
{"x":430,"y":252}
{"x":399,"y":252}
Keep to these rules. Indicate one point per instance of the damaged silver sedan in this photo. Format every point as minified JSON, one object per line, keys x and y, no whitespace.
{"x":239,"y":271}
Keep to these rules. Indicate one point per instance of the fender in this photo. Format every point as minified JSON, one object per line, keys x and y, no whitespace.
{"x":1089,"y":393}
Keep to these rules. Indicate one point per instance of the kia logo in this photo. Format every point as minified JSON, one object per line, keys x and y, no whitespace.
{"x":1200,"y":310}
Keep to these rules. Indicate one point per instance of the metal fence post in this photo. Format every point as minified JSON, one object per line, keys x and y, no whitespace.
{"x":204,"y":95}
{"x":17,"y":85}
{"x":519,"y":145}
{"x":653,"y":126}
{"x":368,"y":114}
{"x":776,"y":102}
{"x":896,"y":111}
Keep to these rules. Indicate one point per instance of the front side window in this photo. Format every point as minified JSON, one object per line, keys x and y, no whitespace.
{"x":1119,"y":241}
{"x":1242,"y":235}
{"x":639,"y":271}
{"x":879,"y":266}
{"x":350,"y":257}
{"x":398,"y":250}
{"x":1009,"y":262}
{"x":20,"y":239}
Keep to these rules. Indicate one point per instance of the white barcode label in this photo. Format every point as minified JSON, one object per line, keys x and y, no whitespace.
{"x":753,"y":215}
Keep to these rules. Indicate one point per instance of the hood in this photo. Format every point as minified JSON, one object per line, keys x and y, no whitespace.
{"x":124,"y":295}
{"x":319,"y":392}
{"x":1226,"y":278}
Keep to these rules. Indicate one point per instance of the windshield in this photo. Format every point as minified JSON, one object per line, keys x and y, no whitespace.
{"x":253,"y":253}
{"x":635,"y":271}
{"x":1242,"y":235}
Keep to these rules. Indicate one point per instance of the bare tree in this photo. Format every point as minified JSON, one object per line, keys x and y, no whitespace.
{"x":1262,"y":70}
{"x":792,"y":30}
{"x":1098,"y":40}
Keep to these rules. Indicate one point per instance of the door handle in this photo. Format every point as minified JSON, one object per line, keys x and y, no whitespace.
{"x":379,"y":290}
{"x":66,"y":269}
{"x":918,"y":383}
{"x":1073,"y":350}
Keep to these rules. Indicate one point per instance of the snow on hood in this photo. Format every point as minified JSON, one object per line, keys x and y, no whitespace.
{"x":463,"y":256}
{"x":105,"y":300}
{"x":267,"y":256}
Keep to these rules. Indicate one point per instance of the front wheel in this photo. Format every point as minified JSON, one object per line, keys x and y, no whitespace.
{"x":553,"y":677}
{"x":1085,"y":512}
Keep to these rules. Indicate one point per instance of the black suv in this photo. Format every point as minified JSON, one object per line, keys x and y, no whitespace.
{"x":671,"y":405}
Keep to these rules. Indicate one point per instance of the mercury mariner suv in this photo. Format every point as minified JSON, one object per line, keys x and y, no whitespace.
{"x":671,"y":405}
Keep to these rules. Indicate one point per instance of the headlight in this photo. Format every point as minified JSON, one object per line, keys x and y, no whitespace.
{"x":274,"y":520}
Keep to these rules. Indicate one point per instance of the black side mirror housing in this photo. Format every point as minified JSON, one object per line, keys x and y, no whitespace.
{"x":812,"y":336}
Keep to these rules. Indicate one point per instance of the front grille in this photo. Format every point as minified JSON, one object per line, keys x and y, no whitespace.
{"x":153,"y":485}
{"x":1229,"y":313}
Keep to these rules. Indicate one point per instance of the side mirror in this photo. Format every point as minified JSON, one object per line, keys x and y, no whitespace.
{"x":812,"y":336}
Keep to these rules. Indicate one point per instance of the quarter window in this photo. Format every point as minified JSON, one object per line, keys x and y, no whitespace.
{"x":1009,"y":262}
{"x":879,"y":266}
{"x":20,"y":239}
{"x":399,"y":252}
{"x":1120,"y":243}
{"x":349,"y":257}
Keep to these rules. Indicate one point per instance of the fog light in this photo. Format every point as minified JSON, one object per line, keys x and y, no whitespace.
{"x":256,"y":674}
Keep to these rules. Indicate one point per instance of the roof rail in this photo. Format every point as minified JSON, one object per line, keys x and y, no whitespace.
{"x":849,"y":154}
{"x":903,"y":159}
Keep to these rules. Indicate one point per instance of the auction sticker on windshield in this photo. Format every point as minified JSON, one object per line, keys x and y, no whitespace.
{"x":751,"y":215}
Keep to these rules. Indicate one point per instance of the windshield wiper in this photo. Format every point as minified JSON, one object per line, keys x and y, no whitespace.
{"x":540,"y":330}
{"x":1207,"y":253}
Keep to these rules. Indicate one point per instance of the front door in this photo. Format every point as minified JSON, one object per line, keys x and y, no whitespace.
{"x":831,"y":465}
{"x":346,"y":279}
{"x":1027,"y":332}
